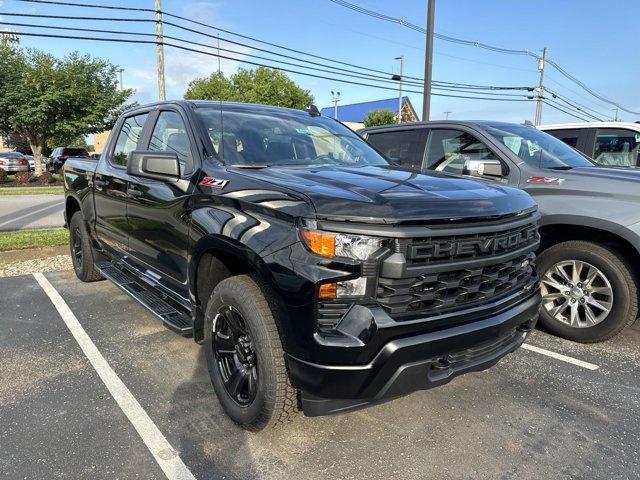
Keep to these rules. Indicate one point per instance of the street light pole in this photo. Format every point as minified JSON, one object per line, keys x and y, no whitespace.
{"x":428,"y":60}
{"x":446,"y":115}
{"x":120,"y":70}
{"x":336,"y":99}
{"x":540,"y":90}
{"x":399,"y":78}
{"x":162,"y":95}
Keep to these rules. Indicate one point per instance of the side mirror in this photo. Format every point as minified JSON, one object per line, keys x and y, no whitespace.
{"x":155,"y":165}
{"x":483,"y":168}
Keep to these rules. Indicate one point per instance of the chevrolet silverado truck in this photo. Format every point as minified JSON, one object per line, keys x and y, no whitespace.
{"x":314,"y":275}
{"x":590,"y":227}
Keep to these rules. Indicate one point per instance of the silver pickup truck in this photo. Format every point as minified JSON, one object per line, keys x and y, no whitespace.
{"x":590,"y":227}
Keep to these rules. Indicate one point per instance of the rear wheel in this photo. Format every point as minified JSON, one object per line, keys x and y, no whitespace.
{"x":81,"y":250}
{"x":245,"y":356}
{"x":588,"y":292}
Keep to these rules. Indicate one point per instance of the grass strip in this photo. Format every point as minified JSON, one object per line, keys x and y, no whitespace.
{"x":21,"y":239}
{"x":32,"y":190}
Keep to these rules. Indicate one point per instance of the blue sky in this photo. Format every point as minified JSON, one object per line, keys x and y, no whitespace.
{"x":594,"y":40}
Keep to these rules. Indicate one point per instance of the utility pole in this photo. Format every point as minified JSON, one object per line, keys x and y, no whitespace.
{"x":399,"y":78}
{"x":219,"y":70}
{"x":615,"y":118}
{"x":336,"y":99}
{"x":428,"y":60}
{"x":446,"y":115}
{"x":120,"y":70}
{"x":162,"y":95}
{"x":540,"y":90}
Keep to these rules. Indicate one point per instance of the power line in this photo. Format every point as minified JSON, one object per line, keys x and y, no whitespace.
{"x":461,"y":88}
{"x":180,"y":47}
{"x":576,"y":105}
{"x":485,"y":46}
{"x":556,"y":107}
{"x":420,"y":29}
{"x":407,"y":78}
{"x":588,"y":89}
{"x":360,"y":75}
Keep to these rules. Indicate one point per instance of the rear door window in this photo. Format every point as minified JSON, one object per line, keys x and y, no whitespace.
{"x":617,"y":147}
{"x":404,"y":148}
{"x":128,"y":139}
{"x":448,"y":150}
{"x":570,"y":137}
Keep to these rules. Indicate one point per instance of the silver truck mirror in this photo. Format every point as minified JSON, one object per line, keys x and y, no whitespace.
{"x":483,"y":168}
{"x":155,"y":165}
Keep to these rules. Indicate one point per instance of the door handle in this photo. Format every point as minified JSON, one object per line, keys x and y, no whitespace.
{"x":100,"y":183}
{"x":134,"y":192}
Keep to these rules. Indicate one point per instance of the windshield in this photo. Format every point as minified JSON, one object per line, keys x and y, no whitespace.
{"x":538,"y":149}
{"x":264,"y":137}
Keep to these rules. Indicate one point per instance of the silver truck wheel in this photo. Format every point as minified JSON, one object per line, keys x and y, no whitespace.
{"x":589,"y":291}
{"x":576,"y":293}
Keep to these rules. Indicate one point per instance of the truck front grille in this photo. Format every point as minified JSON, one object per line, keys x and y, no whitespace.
{"x":439,"y":275}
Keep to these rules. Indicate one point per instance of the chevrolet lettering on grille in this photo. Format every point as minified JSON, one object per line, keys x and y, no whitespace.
{"x":469,"y":247}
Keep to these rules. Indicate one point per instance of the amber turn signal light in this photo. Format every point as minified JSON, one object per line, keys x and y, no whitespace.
{"x":320,"y":243}
{"x":328,"y":291}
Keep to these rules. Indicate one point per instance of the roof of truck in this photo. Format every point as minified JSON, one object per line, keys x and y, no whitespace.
{"x":467,"y":123}
{"x":218,"y":103}
{"x":578,"y":125}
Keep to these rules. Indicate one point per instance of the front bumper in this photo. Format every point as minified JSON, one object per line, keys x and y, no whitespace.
{"x":15,"y":168}
{"x":411,"y":363}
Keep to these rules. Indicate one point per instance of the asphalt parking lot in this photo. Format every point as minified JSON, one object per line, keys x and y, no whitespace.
{"x":531,"y":416}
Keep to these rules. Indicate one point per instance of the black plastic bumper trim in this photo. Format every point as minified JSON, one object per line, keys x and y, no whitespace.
{"x":405,"y":364}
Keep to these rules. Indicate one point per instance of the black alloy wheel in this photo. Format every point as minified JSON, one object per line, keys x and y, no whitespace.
{"x":76,"y":246}
{"x":235,"y":356}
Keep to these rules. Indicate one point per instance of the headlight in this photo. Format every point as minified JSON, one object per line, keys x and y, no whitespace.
{"x":332,"y":245}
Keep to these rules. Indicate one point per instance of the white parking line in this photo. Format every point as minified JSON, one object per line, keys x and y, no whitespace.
{"x":166,"y":457}
{"x":559,"y":356}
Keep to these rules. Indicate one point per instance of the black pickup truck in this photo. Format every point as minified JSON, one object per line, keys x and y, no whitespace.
{"x":314,"y":275}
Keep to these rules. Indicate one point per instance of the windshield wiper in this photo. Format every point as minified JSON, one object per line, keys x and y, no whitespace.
{"x":251,"y":166}
{"x":563,"y":167}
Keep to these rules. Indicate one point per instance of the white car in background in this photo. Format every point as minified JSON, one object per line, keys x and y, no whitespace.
{"x":610,"y":144}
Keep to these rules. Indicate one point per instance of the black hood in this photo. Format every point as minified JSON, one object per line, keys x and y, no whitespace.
{"x":391,"y":195}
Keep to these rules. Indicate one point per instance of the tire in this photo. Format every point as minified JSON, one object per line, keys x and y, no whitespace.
{"x":82,"y":255}
{"x":615,"y":289}
{"x":265,"y":398}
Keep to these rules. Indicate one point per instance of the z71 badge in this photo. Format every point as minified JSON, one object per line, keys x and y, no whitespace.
{"x":213,"y":182}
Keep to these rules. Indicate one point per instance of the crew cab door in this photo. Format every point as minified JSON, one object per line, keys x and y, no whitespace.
{"x":158,"y":211}
{"x":111,"y":182}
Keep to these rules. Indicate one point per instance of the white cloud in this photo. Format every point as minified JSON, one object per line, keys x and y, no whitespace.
{"x":183,"y":66}
{"x":180,"y":68}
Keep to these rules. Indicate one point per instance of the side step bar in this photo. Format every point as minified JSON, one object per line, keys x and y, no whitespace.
{"x":175,"y":320}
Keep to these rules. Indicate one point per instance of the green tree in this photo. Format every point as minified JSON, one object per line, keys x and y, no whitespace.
{"x":46,"y":100}
{"x":379,"y":117}
{"x":262,"y":85}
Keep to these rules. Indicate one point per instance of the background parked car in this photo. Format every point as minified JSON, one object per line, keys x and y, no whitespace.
{"x":590,"y":224}
{"x":611,"y":144}
{"x":32,"y":162}
{"x":61,"y":154}
{"x":13,"y":162}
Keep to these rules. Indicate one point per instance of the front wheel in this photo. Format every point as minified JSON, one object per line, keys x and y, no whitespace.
{"x":588,"y":292}
{"x":244,"y":354}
